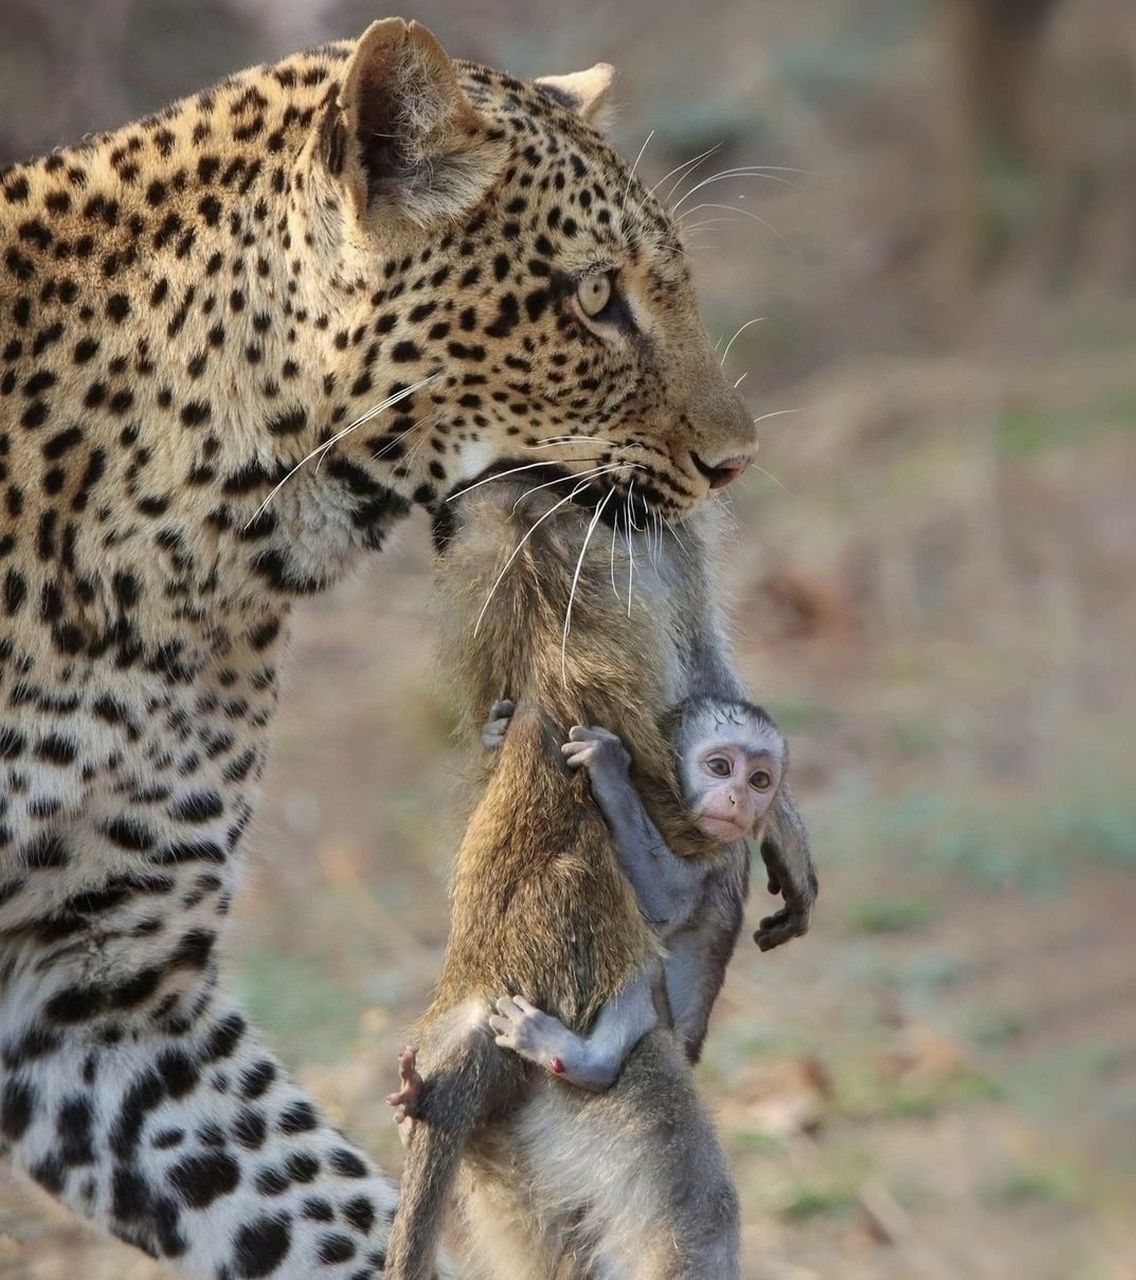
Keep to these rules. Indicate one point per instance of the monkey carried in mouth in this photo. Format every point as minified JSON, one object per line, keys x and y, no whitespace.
{"x":632,"y":1178}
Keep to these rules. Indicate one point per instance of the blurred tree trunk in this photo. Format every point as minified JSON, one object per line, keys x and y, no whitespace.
{"x":998,"y":140}
{"x":73,"y":46}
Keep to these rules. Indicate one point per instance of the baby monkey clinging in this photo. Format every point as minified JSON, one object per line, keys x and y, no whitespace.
{"x":731,"y":761}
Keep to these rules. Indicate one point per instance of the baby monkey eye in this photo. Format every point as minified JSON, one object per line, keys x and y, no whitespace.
{"x":594,"y":292}
{"x":760,"y":780}
{"x":719,"y":766}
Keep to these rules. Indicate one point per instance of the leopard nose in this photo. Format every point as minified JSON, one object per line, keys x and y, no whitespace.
{"x":719,"y":474}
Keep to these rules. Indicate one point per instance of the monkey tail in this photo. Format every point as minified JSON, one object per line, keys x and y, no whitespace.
{"x":453,"y":1101}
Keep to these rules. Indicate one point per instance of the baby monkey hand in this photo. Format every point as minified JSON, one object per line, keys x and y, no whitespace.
{"x":600,"y":752}
{"x":797,"y":885}
{"x":493,"y":730}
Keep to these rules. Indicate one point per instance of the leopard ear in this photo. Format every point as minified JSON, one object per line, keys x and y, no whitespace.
{"x":584,"y":92}
{"x":403,"y":132}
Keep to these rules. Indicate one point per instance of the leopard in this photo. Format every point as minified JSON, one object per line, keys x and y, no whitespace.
{"x":240,"y":341}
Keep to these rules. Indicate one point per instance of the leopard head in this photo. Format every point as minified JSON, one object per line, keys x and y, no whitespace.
{"x":507,"y":296}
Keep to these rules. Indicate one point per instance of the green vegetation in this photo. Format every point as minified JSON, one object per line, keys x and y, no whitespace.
{"x":818,"y":1200}
{"x":890,"y":915}
{"x":299,"y":1004}
{"x":1030,"y":431}
{"x":1003,"y":840}
{"x":1055,"y":1184}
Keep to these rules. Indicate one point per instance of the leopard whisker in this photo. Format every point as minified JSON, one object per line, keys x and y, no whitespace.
{"x":397,"y":439}
{"x":614,"y":530}
{"x":623,"y":207}
{"x":674,"y":534}
{"x":416,"y":448}
{"x":743,"y":171}
{"x":770,"y":476}
{"x":631,"y":507}
{"x":630,"y":558}
{"x":650,"y":540}
{"x":327,"y":444}
{"x":689,"y":228}
{"x":682,"y":169}
{"x":575,"y":581}
{"x":776,"y":413}
{"x":737,"y":334}
{"x":550,"y":442}
{"x":497,"y":475}
{"x":745,"y":213}
{"x":635,"y":165}
{"x":602,"y":470}
{"x":517,"y":549}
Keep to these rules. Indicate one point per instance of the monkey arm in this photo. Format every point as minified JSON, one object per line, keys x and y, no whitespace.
{"x":789,"y":867}
{"x":668,"y":888}
{"x":593,"y":1061}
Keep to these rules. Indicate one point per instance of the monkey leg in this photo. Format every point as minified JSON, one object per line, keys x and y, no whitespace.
{"x":145,"y":1102}
{"x":503,"y":1234}
{"x":635,"y":1174}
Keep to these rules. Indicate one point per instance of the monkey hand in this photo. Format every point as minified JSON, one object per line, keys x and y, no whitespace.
{"x":780,"y":927}
{"x":790,"y":873}
{"x":405,"y":1101}
{"x":599,"y":751}
{"x":792,"y":921}
{"x":538,"y":1036}
{"x":493,"y":730}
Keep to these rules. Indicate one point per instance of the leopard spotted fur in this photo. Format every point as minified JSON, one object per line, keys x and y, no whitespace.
{"x":364,"y":253}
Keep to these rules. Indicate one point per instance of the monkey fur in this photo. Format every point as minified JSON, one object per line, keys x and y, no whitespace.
{"x":540,"y":907}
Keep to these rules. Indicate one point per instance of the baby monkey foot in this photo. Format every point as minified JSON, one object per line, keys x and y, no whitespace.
{"x":405,"y":1101}
{"x":493,"y":730}
{"x":597,"y":750}
{"x":537,"y":1036}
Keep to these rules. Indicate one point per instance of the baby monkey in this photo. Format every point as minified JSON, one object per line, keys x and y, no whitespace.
{"x":731,"y":759}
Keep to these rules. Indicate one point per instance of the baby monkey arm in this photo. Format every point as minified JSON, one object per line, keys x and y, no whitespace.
{"x":592,"y":1061}
{"x":668,"y":888}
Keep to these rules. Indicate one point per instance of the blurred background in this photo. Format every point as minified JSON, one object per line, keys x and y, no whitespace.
{"x":935,"y":588}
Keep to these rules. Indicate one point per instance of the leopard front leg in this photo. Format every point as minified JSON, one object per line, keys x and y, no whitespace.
{"x":149,"y":1105}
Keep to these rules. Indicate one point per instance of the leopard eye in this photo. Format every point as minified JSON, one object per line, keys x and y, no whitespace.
{"x":594,"y":292}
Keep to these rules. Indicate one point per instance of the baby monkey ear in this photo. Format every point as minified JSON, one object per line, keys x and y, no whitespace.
{"x":584,"y":92}
{"x":402,"y":133}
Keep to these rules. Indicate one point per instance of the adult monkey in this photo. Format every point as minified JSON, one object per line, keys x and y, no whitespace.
{"x":415,"y":269}
{"x":631,"y":1180}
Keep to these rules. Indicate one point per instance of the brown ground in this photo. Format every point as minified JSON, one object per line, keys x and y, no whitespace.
{"x":937,"y":597}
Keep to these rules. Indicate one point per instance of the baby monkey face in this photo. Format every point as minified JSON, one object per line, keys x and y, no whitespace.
{"x":730,"y":786}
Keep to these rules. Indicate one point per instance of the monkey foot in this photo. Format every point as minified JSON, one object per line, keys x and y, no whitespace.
{"x":405,"y":1101}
